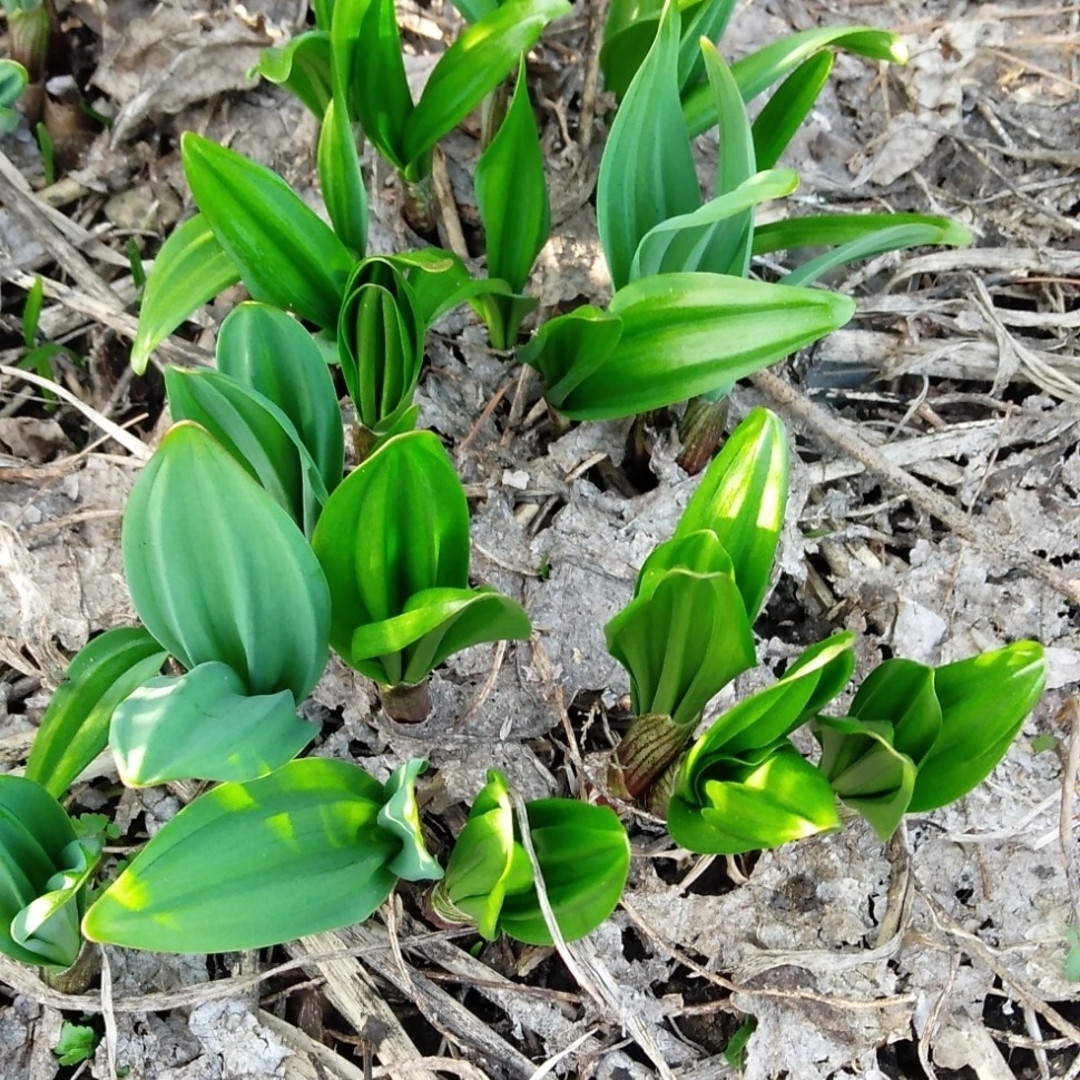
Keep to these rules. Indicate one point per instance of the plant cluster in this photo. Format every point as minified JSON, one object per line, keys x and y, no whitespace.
{"x":249,"y":487}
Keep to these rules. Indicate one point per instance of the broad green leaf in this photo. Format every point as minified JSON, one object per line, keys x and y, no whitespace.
{"x":248,"y":865}
{"x":286,"y":255}
{"x":682,"y":641}
{"x":742,"y":499}
{"x":784,"y":112}
{"x":681,"y":335}
{"x":191,"y":268}
{"x":75,"y":727}
{"x":204,"y":725}
{"x":695,"y":241}
{"x":395,"y":526}
{"x":511,"y":193}
{"x":755,"y":805}
{"x":218,"y":571}
{"x":984,"y":702}
{"x":303,"y":67}
{"x":584,"y":858}
{"x":647,"y":172}
{"x":758,"y":71}
{"x":866,"y":771}
{"x":478,"y":60}
{"x":902,"y":692}
{"x":342,"y":181}
{"x":769,"y":716}
{"x":436,"y":624}
{"x":272,"y":353}
{"x":258,"y":435}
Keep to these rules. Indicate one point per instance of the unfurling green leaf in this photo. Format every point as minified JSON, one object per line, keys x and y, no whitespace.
{"x":302,"y":67}
{"x":75,"y":727}
{"x":581,"y":850}
{"x":381,"y":346}
{"x":342,"y":181}
{"x":191,"y":268}
{"x":743,"y":785}
{"x":742,"y":498}
{"x":287,"y":256}
{"x":757,"y":801}
{"x":303,"y":850}
{"x":13,"y":80}
{"x":44,"y":866}
{"x":393,"y":542}
{"x":919,"y":737}
{"x":984,"y":701}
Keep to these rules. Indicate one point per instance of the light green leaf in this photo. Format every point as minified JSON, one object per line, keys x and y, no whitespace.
{"x":683,"y":637}
{"x":272,"y":353}
{"x":13,"y":80}
{"x":218,"y":571}
{"x":477,"y":61}
{"x":258,"y":435}
{"x":584,"y":858}
{"x":695,"y":242}
{"x":758,"y":71}
{"x":380,"y":343}
{"x":191,"y":268}
{"x":784,"y":112}
{"x":511,"y":193}
{"x":342,"y":181}
{"x":43,"y":866}
{"x":204,"y":725}
{"x":902,"y":693}
{"x":647,"y":172}
{"x":866,"y":771}
{"x":681,"y":335}
{"x":395,"y":526}
{"x":742,"y":498}
{"x":380,"y":94}
{"x":400,"y":816}
{"x":984,"y":702}
{"x":75,"y":727}
{"x":247,"y":865}
{"x":303,"y":67}
{"x":754,"y":805}
{"x":285,"y":253}
{"x":770,"y":715}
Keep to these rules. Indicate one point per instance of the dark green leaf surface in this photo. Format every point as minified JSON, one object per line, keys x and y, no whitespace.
{"x":248,"y":865}
{"x":218,"y":571}
{"x":75,"y":727}
{"x":190,"y":269}
{"x":285,"y":253}
{"x":265,"y":349}
{"x":647,"y":172}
